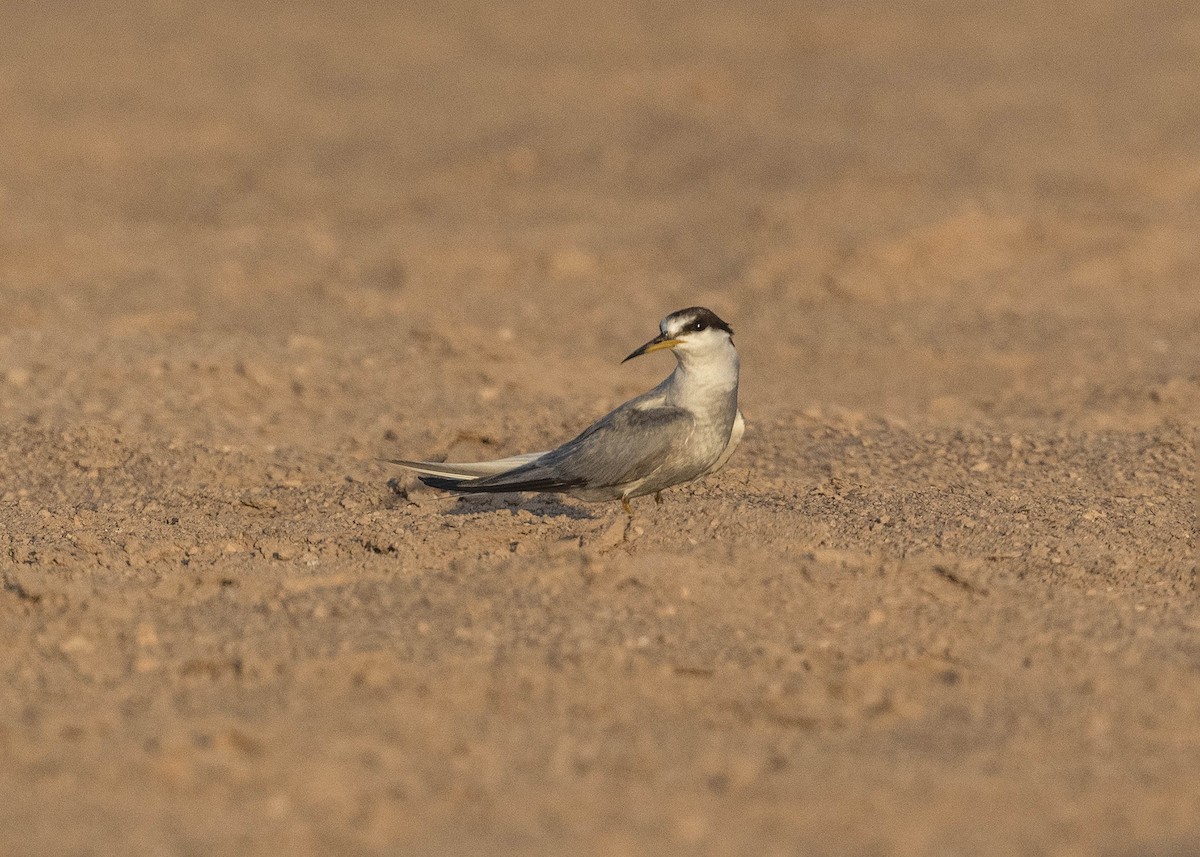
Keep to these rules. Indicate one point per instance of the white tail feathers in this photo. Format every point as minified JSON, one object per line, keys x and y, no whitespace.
{"x":467,"y":469}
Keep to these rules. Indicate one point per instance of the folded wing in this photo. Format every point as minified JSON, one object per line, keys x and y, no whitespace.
{"x":627,"y":445}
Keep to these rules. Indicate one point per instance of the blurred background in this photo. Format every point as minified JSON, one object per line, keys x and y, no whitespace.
{"x":938,"y":210}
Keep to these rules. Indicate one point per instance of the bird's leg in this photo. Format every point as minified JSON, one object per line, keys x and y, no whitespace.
{"x":627,"y":507}
{"x":658,"y":501}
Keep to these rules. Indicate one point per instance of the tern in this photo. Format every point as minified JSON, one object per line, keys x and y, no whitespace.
{"x":684,"y":429}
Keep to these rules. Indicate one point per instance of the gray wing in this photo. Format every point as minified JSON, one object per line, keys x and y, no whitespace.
{"x":627,"y":445}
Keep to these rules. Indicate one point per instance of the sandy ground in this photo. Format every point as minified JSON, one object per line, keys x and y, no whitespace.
{"x":942,"y":601}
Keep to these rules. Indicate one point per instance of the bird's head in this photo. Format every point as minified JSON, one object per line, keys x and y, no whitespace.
{"x":694,"y":332}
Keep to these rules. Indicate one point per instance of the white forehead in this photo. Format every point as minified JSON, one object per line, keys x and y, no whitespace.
{"x":682,"y":321}
{"x":676,"y":322}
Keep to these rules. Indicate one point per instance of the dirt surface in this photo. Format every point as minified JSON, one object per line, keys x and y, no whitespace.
{"x":942,"y":601}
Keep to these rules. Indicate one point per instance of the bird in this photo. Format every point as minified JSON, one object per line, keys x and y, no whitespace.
{"x":684,"y":429}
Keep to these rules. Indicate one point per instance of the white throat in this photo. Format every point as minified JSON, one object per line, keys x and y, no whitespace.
{"x":705,"y":376}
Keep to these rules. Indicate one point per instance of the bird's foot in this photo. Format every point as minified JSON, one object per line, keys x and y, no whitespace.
{"x":658,"y":500}
{"x":628,"y":509}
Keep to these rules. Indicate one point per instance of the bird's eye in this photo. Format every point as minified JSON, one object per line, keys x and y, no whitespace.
{"x":698,"y":325}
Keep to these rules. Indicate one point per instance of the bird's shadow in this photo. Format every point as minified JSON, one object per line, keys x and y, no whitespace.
{"x":541,"y":505}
